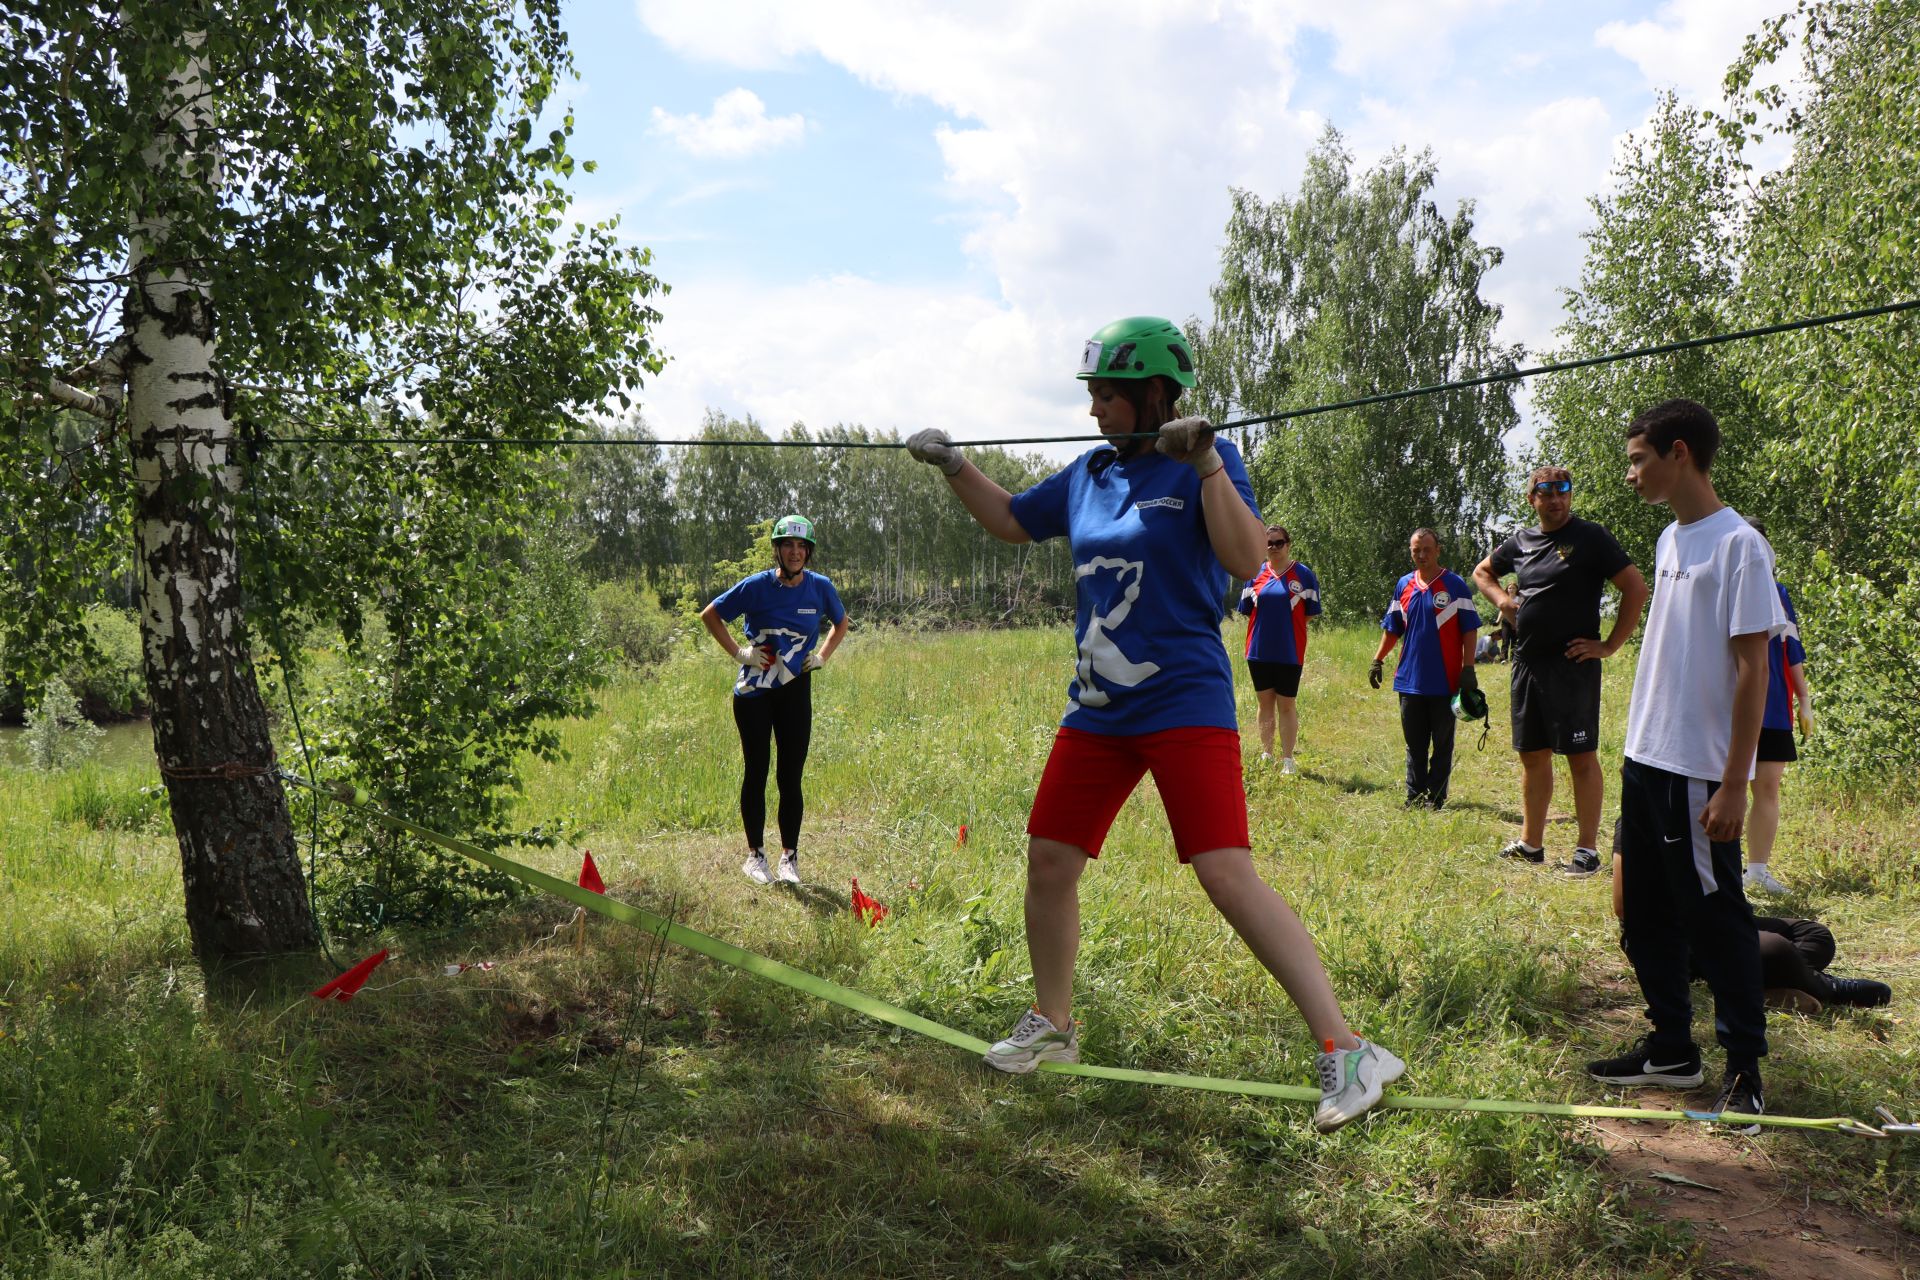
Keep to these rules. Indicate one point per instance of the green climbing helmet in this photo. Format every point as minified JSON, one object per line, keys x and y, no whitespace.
{"x":1138,"y":347}
{"x":794,"y":527}
{"x":1470,"y":704}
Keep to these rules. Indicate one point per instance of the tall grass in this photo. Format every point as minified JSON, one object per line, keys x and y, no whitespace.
{"x":565,"y":1114}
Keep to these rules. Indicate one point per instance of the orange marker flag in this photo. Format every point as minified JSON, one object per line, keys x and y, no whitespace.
{"x":962,"y":837}
{"x":590,"y":874}
{"x":344,"y":986}
{"x":869,"y":909}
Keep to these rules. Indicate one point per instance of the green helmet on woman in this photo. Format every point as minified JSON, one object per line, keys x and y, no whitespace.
{"x":794,"y":526}
{"x":1138,"y":347}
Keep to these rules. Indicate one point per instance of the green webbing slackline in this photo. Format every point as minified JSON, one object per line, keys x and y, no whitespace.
{"x":846,"y":997}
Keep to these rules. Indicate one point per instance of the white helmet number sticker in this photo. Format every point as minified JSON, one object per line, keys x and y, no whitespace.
{"x":1090,"y":357}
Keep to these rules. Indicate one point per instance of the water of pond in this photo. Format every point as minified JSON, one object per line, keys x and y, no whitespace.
{"x":125,"y":745}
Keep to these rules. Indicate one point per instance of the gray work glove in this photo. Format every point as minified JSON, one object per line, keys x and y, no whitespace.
{"x":935,"y":446}
{"x":1190,"y":440}
{"x":755,"y":659}
{"x":1374,"y":673}
{"x":814,"y":661}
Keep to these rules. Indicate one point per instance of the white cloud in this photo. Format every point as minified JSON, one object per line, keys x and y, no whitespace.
{"x":1690,"y":44}
{"x":1090,"y":148}
{"x":849,"y":349}
{"x":738,"y":126}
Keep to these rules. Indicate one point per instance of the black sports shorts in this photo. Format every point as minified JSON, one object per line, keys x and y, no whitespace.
{"x":1281,"y":677}
{"x":1777,"y":744}
{"x":1556,"y":706}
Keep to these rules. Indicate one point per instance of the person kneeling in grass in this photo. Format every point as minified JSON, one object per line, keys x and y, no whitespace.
{"x":1156,"y":526}
{"x":1794,"y":955}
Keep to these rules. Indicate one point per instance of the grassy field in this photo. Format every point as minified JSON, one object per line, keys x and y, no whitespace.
{"x":617,"y":1111}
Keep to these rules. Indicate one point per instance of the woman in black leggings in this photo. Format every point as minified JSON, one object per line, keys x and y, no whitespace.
{"x":773,"y":696}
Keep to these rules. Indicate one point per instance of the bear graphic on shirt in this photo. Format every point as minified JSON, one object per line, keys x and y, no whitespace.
{"x":1102,"y":664}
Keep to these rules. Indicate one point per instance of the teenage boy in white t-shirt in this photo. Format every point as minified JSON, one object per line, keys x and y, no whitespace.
{"x":1698,"y":699}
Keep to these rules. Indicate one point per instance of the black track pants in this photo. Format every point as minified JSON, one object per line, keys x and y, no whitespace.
{"x":1685,"y":913}
{"x":1427,"y":725}
{"x":784,"y":715}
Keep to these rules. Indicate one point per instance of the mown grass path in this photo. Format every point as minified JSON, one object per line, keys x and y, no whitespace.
{"x":612,"y":1111}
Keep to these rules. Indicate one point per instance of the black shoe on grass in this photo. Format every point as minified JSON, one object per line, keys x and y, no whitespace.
{"x":1641,"y":1065}
{"x":1860,"y":993}
{"x":1740,"y":1096}
{"x":1521,"y":851}
{"x":1586,"y":862}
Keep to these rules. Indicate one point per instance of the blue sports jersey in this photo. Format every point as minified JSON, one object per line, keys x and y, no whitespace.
{"x":1431,"y":619}
{"x":1147,"y":590}
{"x":1277,"y":608}
{"x":785,"y":621}
{"x":1783,"y":651}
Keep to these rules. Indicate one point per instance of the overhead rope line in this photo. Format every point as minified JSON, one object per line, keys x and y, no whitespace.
{"x":1384,"y":397}
{"x":771,"y":970}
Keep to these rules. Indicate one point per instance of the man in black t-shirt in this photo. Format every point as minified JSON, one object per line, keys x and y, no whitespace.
{"x":1560,"y":570}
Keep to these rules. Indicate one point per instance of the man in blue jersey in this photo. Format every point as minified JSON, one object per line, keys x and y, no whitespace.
{"x":1433,"y":609}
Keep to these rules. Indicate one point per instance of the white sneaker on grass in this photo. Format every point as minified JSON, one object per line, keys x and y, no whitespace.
{"x":1266,"y":757}
{"x":756,"y":868}
{"x":1351,"y":1081}
{"x":1034,"y":1040}
{"x":789,"y":872}
{"x":1286,"y":768}
{"x":1759,"y":877}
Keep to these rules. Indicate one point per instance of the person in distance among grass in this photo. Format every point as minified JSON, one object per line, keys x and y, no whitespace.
{"x":1433,"y":608}
{"x":1277,"y":640}
{"x":1786,"y":686}
{"x":1157,"y":520}
{"x":773,"y":694}
{"x":1560,"y":570}
{"x":1698,"y":698}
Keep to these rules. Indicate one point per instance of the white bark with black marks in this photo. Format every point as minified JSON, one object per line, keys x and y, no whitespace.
{"x":240,"y":865}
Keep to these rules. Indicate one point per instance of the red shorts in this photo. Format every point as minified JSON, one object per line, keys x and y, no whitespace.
{"x":1090,"y":775}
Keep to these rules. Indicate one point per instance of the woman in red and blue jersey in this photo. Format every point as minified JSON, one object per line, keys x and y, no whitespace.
{"x":1157,"y":521}
{"x":1278,"y":603}
{"x":1788,"y":698}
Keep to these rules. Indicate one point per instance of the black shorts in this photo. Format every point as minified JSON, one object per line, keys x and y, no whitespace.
{"x":1556,"y":706}
{"x":1777,"y":744}
{"x":1281,"y":677}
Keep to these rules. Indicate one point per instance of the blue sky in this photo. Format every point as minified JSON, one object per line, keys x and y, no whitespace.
{"x":910,"y":214}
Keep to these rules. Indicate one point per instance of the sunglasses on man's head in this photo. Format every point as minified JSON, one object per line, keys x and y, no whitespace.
{"x":1553,"y":486}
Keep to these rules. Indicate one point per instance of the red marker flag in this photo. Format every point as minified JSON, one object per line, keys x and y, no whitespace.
{"x":344,"y":986}
{"x":869,"y":909}
{"x":590,"y":874}
{"x":962,"y":837}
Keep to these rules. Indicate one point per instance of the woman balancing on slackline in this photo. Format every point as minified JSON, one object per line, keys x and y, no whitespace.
{"x":773,"y":696}
{"x":1155,"y":527}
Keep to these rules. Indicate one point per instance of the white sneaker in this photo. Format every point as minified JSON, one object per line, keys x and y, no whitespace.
{"x":1034,"y":1040}
{"x":1286,"y":767}
{"x":1266,"y":757}
{"x":1351,"y":1081}
{"x":789,"y":872}
{"x":1759,"y":877}
{"x":756,"y":868}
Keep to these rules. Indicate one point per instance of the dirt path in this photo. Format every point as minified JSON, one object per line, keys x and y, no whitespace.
{"x":1756,"y":1220}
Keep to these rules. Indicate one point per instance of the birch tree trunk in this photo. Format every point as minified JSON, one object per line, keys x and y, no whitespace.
{"x":239,"y":862}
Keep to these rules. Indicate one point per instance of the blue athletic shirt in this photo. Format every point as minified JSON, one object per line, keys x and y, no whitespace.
{"x":1432,"y":619}
{"x":1147,"y":591}
{"x":782,"y":620}
{"x":1783,"y":651}
{"x":1277,"y":608}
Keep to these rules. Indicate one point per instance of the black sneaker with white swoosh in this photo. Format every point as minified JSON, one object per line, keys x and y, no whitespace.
{"x":1642,"y":1065}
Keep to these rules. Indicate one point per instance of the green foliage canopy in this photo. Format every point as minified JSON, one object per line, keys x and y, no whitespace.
{"x":1358,"y":284}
